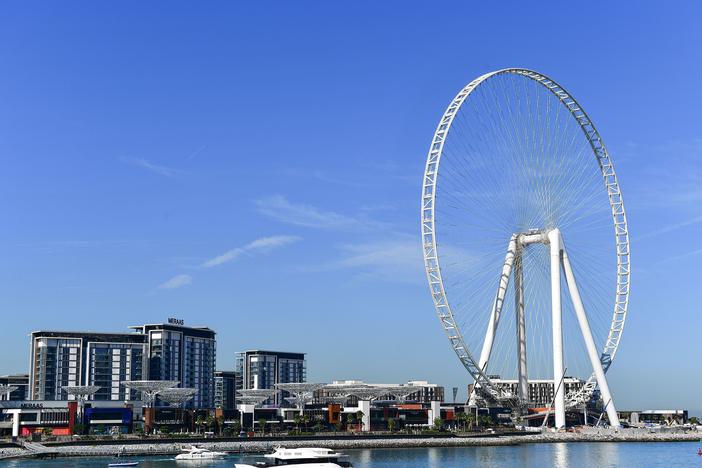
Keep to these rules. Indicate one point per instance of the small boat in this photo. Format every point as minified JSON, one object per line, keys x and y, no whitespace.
{"x":197,"y":453}
{"x":136,"y":463}
{"x":308,"y":457}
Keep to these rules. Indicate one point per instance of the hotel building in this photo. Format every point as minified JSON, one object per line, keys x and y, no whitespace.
{"x":60,"y":358}
{"x":185,"y":354}
{"x":169,"y":351}
{"x":259,"y":369}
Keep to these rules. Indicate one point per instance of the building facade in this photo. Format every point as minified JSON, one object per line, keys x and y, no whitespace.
{"x":225,"y":390}
{"x":21,"y":384}
{"x":540,"y":391}
{"x":61,"y":358}
{"x":185,"y":354}
{"x":166,"y":351}
{"x":259,"y":369}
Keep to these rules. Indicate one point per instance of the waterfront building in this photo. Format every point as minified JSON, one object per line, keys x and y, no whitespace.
{"x":59,"y":358}
{"x":185,"y":354}
{"x":653,"y":416}
{"x":21,"y":384}
{"x":225,"y":390}
{"x":24,"y":418}
{"x":259,"y":369}
{"x":164,"y":351}
{"x":540,"y":390}
{"x":424,"y":392}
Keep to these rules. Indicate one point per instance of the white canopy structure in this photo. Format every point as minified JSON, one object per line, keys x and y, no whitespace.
{"x":81,"y":393}
{"x":177,"y":396}
{"x":150,"y":388}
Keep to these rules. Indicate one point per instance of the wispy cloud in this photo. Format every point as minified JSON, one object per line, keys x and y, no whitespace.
{"x":197,"y":152}
{"x":176,"y":282}
{"x":670,"y":228}
{"x":397,"y":260}
{"x":669,"y":173}
{"x":686,"y":255}
{"x":279,"y":208}
{"x":262,"y":245}
{"x":155,"y":168}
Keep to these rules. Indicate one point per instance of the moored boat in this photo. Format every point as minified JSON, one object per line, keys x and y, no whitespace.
{"x":198,"y":453}
{"x":309,"y":457}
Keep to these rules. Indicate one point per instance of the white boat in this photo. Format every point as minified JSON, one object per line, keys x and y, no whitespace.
{"x":309,"y":457}
{"x":197,"y":453}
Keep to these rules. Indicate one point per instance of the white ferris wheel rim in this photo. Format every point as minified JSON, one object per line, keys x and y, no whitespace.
{"x":430,"y":249}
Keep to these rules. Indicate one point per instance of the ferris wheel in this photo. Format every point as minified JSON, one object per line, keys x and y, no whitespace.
{"x":515,"y":173}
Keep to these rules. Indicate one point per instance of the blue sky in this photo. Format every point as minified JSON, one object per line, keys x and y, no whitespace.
{"x":257,"y":168}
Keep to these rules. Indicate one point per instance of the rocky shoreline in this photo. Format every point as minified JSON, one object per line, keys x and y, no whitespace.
{"x":245,"y":446}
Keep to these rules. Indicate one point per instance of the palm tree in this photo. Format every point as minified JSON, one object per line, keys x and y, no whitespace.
{"x":470,"y":419}
{"x":350,"y":417}
{"x":298,"y":420}
{"x":460,"y":419}
{"x":391,"y":424}
{"x":305,"y":420}
{"x":262,"y":425}
{"x":220,"y":424}
{"x":210,"y":422}
{"x":200,"y":421}
{"x":359,"y":418}
{"x":319,"y":426}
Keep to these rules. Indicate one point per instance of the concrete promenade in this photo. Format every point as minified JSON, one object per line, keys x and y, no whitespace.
{"x":258,"y":446}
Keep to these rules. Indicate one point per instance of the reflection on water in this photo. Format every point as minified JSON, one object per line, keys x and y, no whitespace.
{"x":579,"y":454}
{"x":560,"y":455}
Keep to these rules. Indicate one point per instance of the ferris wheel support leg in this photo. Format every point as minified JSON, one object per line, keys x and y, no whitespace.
{"x":523,"y":384}
{"x":497,"y":304}
{"x":554,"y":237}
{"x":589,"y":341}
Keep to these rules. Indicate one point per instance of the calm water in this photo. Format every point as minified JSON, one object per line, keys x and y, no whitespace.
{"x":631,"y":454}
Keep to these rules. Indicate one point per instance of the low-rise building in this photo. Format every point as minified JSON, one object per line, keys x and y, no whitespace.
{"x":665,"y":417}
{"x":20,"y":382}
{"x":541,"y":391}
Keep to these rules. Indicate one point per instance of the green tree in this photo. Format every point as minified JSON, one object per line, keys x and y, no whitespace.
{"x":220,"y":424}
{"x":199,"y":422}
{"x":298,"y":420}
{"x":460,"y":419}
{"x":694,"y":420}
{"x":236,"y":427}
{"x":47,"y":431}
{"x":359,"y":418}
{"x":210,"y":422}
{"x":319,"y":426}
{"x":485,"y":420}
{"x":438,"y":424}
{"x":350,"y":419}
{"x":78,"y":429}
{"x":262,"y":425}
{"x":391,"y":424}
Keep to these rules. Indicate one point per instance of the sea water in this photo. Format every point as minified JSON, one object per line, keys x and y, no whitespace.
{"x":573,"y":454}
